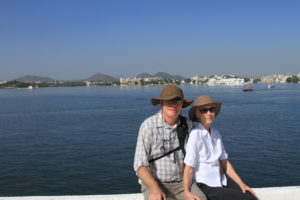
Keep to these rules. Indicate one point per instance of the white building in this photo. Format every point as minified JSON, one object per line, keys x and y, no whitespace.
{"x":222,"y":80}
{"x":231,"y":81}
{"x":199,"y":79}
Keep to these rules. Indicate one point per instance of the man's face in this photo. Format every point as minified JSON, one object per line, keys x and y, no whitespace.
{"x":172,"y":108}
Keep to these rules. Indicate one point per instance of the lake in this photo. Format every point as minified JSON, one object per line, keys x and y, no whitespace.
{"x":81,"y":140}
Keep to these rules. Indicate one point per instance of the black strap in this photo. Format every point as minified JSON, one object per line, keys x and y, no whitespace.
{"x":182,"y":132}
{"x":168,"y":153}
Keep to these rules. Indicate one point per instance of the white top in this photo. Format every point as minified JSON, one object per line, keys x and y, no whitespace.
{"x":203,"y":152}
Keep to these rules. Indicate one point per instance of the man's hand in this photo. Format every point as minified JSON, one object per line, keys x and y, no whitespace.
{"x":190,"y":196}
{"x":157,"y":194}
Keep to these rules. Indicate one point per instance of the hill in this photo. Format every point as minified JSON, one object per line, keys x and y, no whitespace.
{"x":33,"y":78}
{"x":102,"y":77}
{"x":144,"y":75}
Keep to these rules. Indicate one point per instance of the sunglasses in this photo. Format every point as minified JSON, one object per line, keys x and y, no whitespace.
{"x":205,"y":110}
{"x":173,"y":101}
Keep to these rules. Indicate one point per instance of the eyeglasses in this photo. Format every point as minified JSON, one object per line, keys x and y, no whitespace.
{"x":205,"y":110}
{"x":173,"y":101}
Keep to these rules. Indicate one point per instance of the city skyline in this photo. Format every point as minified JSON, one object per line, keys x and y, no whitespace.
{"x":71,"y":40}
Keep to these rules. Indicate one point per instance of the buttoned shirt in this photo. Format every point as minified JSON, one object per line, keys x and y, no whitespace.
{"x":156,"y":138}
{"x":203,"y":152}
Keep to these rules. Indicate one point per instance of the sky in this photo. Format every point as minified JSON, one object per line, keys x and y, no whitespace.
{"x":75,"y":39}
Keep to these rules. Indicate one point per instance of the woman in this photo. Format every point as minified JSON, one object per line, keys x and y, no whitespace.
{"x":207,"y":159}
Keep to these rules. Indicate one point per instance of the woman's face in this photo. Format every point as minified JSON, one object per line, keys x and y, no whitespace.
{"x":206,"y":114}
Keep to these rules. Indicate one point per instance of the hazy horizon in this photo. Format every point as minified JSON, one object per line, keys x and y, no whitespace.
{"x":73,"y":40}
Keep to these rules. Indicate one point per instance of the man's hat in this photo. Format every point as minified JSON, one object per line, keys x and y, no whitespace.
{"x":171,"y":92}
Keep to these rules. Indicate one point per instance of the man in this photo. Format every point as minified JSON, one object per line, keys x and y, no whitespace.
{"x":159,"y":154}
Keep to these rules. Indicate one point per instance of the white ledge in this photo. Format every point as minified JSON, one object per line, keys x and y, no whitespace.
{"x":271,"y":193}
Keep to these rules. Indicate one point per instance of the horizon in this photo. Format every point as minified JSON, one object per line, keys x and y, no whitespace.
{"x":73,"y":40}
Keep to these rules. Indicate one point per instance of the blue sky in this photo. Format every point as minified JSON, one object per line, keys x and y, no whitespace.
{"x":74,"y":39}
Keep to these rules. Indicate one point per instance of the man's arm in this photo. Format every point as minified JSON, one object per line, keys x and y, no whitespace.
{"x":155,"y":192}
{"x":141,"y":162}
{"x":228,"y":168}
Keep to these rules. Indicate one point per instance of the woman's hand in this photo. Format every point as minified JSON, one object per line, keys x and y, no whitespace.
{"x":246,"y":188}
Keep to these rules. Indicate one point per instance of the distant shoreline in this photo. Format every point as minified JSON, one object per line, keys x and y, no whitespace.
{"x":115,"y":85}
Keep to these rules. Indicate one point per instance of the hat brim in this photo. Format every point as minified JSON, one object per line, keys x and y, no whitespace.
{"x":156,"y":101}
{"x":192,"y":111}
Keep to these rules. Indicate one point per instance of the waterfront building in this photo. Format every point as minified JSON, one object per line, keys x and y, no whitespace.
{"x":275,"y":78}
{"x":130,"y":81}
{"x":199,"y":80}
{"x":152,"y":79}
{"x":225,"y":80}
{"x":88,"y":83}
{"x":217,"y":80}
{"x":231,"y":81}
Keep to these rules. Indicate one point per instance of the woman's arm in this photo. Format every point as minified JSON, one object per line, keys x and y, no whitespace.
{"x":187,"y":182}
{"x":228,"y":168}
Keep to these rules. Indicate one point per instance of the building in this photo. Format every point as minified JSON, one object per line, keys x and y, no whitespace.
{"x":130,"y":81}
{"x":225,"y":80}
{"x":275,"y":78}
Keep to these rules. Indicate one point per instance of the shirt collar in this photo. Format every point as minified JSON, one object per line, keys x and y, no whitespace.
{"x":201,"y":127}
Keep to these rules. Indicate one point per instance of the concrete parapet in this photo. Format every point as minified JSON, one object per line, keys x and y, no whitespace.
{"x":278,"y":193}
{"x":271,"y":193}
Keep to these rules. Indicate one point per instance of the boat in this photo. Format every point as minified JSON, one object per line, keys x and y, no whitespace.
{"x":247,"y":88}
{"x":271,"y":86}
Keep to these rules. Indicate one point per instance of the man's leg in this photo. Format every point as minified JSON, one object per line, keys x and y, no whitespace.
{"x":174,"y":191}
{"x":165,"y":188}
{"x":178,"y":192}
{"x":145,"y":192}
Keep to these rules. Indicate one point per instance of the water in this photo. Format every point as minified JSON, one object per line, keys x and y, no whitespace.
{"x":81,"y":140}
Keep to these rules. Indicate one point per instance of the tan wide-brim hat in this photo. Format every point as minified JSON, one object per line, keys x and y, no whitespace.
{"x":171,"y":92}
{"x":201,"y":101}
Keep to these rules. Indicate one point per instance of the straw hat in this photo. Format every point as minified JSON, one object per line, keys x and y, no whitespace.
{"x":201,"y":101}
{"x":171,"y":92}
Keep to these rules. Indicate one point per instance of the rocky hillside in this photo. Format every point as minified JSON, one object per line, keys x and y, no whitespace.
{"x":102,"y":77}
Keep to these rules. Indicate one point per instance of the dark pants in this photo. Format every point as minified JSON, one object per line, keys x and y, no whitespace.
{"x":230,"y":192}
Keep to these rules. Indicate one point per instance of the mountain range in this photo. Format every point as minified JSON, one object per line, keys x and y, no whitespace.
{"x":99,"y":77}
{"x":32,"y":78}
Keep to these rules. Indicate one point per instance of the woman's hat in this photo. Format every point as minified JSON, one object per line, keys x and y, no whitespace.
{"x":201,"y":101}
{"x":171,"y":92}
